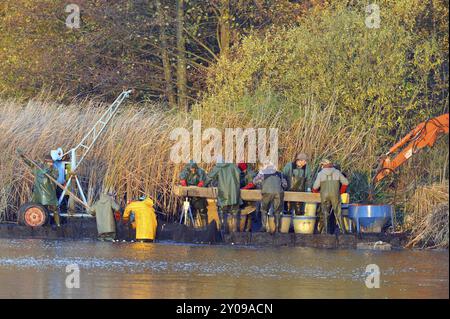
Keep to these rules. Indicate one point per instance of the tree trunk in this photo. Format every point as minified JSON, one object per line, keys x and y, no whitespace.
{"x":165,"y":55}
{"x":181,"y":65}
{"x":224,"y":28}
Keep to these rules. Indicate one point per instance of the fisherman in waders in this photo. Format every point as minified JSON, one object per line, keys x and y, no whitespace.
{"x":272,"y":184}
{"x":246,"y":180}
{"x":299,"y":178}
{"x":104,"y":210}
{"x":144,"y":218}
{"x":60,"y":163}
{"x":44,"y":190}
{"x":192,"y":175}
{"x":227,"y":178}
{"x":331,"y":183}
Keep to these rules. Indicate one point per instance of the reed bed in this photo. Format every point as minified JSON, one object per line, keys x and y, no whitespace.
{"x":427,"y":216}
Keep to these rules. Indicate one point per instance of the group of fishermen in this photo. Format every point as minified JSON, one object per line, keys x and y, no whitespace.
{"x":227,"y":177}
{"x":139,"y":214}
{"x":296,"y":176}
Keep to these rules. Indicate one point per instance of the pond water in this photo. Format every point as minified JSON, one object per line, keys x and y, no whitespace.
{"x":37,"y":269}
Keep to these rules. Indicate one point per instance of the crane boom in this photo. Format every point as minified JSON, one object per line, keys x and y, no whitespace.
{"x":94,"y":133}
{"x":424,"y":134}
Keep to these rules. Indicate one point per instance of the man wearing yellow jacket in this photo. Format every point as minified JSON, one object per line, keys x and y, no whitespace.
{"x":145,"y":219}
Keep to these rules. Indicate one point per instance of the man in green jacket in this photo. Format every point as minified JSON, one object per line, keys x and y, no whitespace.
{"x":192,"y":175}
{"x":299,"y":179}
{"x":104,"y":210}
{"x":227,"y":178}
{"x":44,"y":190}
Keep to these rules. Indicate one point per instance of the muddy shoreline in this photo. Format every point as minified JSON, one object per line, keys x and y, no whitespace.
{"x":85,"y":228}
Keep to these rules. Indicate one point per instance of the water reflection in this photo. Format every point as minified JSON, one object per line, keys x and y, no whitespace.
{"x":36,"y":269}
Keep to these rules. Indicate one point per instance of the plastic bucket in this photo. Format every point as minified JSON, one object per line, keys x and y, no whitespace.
{"x":304,"y":224}
{"x":310,"y":209}
{"x":348,"y":223}
{"x":345,"y":198}
{"x":285,"y":223}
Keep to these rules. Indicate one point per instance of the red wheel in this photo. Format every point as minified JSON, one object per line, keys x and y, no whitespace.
{"x":33,"y":215}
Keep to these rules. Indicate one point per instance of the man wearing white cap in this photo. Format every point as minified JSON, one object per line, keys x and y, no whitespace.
{"x":331,"y":183}
{"x":272,"y":184}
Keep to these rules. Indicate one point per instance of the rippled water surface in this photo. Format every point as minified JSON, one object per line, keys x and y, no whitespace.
{"x":37,"y":269}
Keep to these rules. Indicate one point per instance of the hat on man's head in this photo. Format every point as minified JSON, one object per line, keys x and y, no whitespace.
{"x":326,"y":161}
{"x":301,"y":157}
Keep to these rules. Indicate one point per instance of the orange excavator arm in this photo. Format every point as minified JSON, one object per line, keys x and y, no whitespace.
{"x":425,"y":134}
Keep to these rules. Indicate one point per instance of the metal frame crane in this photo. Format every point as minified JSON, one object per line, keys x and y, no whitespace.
{"x":82,"y":149}
{"x":34,"y":214}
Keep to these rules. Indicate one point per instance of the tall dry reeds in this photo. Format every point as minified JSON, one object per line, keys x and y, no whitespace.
{"x":427,"y":216}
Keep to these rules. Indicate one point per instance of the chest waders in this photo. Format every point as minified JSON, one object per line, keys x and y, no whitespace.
{"x":44,"y":193}
{"x":230,"y":218}
{"x":199,"y":205}
{"x":272,"y":195}
{"x":298,"y":185}
{"x":330,"y":199}
{"x":200,"y":209}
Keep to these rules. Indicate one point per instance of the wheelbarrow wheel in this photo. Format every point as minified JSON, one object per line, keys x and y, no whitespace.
{"x":32,"y":215}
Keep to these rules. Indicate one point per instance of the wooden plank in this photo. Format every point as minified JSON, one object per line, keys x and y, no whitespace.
{"x":251,"y":195}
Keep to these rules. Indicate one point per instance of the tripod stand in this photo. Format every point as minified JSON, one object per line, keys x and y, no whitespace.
{"x":186,"y":214}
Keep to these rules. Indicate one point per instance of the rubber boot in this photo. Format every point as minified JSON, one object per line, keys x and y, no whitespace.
{"x":277,"y":222}
{"x":237,"y":219}
{"x":325,"y":223}
{"x":232,"y":223}
{"x":340,"y":221}
{"x":263,"y":222}
{"x":204,"y":221}
{"x":110,"y":237}
{"x":224,"y":221}
{"x":204,"y":215}
{"x":56,"y":218}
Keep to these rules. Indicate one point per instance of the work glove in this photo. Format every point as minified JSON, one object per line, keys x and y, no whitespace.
{"x":201,"y":184}
{"x":343,"y":189}
{"x":117,"y":216}
{"x":183,"y":182}
{"x":249,"y":186}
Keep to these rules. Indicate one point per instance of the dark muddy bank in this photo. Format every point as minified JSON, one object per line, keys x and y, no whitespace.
{"x":85,"y":228}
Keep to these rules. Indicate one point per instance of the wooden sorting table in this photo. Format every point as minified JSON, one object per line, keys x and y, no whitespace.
{"x":250,"y":195}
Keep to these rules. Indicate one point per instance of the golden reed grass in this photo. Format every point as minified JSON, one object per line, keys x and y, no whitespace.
{"x":133,"y":156}
{"x":427,"y":217}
